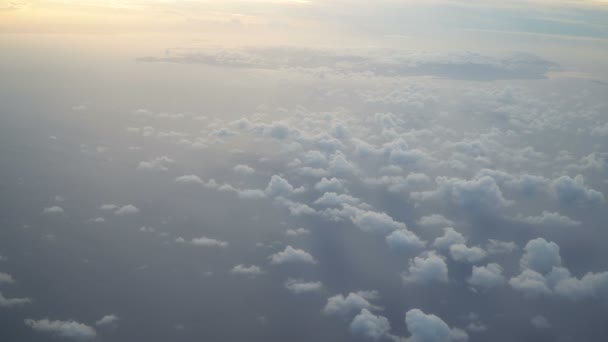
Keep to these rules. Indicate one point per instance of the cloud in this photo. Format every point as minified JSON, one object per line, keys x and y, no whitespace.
{"x":12,"y":302}
{"x":540,"y":322}
{"x":368,"y":325}
{"x":242,"y":169}
{"x":251,"y":271}
{"x":430,"y":328}
{"x":540,"y":256}
{"x":108,"y":207}
{"x":531,"y":283}
{"x":330,"y":185}
{"x":292,"y":255}
{"x":466,"y":66}
{"x":574,"y":191}
{"x":450,"y":237}
{"x":6,"y":278}
{"x":279,"y":186}
{"x":353,"y":302}
{"x":332,"y":199}
{"x":460,"y":252}
{"x":297,"y":232}
{"x":107,"y":321}
{"x":189,"y":179}
{"x":298,"y":286}
{"x":204,"y":241}
{"x":549,"y":219}
{"x":128,"y":209}
{"x":435,"y":220}
{"x":478,"y":194}
{"x":487,"y":277}
{"x":500,"y":247}
{"x":404,"y":239}
{"x":375,"y":222}
{"x":64,"y":329}
{"x":295,"y":208}
{"x":157,"y":164}
{"x":425,"y":269}
{"x":53,"y":210}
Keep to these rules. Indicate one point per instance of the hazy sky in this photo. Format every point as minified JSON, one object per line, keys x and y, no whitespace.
{"x":276,"y":170}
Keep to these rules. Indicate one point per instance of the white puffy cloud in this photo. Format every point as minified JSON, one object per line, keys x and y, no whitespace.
{"x":406,"y":240}
{"x":64,"y":329}
{"x":460,"y":252}
{"x":425,"y":269}
{"x":189,"y":179}
{"x":435,"y":220}
{"x":6,"y":278}
{"x":573,"y":190}
{"x":11,"y":302}
{"x":128,"y":209}
{"x":244,"y":169}
{"x":298,"y":286}
{"x":450,"y":237}
{"x":487,"y":277}
{"x":279,"y":186}
{"x":292,"y":255}
{"x":107,"y":321}
{"x":375,"y":222}
{"x":353,"y":302}
{"x":53,"y":210}
{"x":430,"y":328}
{"x":540,"y":322}
{"x":250,"y":271}
{"x":330,"y":184}
{"x":481,"y":193}
{"x":157,"y":164}
{"x":531,"y":283}
{"x":204,"y":241}
{"x":589,"y":286}
{"x":295,"y":208}
{"x":550,"y":219}
{"x":540,"y":256}
{"x":332,"y":199}
{"x":368,"y":325}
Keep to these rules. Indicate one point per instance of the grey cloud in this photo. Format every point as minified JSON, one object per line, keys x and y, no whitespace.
{"x":299,"y":286}
{"x":64,"y":329}
{"x":487,"y":277}
{"x":430,"y":328}
{"x":292,"y":255}
{"x":425,"y":269}
{"x":368,"y":325}
{"x":353,"y":302}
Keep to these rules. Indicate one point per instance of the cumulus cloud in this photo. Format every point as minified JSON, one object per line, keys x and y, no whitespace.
{"x":450,"y":237}
{"x":353,"y":302}
{"x":330,"y":185}
{"x":251,"y":271}
{"x":549,"y":219}
{"x":473,"y":255}
{"x":12,"y":302}
{"x":435,"y":220}
{"x":299,"y":286}
{"x":53,"y":210}
{"x":156,"y":164}
{"x":279,"y":186}
{"x":375,"y":222}
{"x":189,"y":179}
{"x":425,"y":269}
{"x":295,"y":208}
{"x":477,"y":194}
{"x":487,"y":277}
{"x":64,"y":329}
{"x":125,"y":210}
{"x":244,"y":169}
{"x":107,"y":321}
{"x":540,"y":256}
{"x":204,"y":241}
{"x":368,"y":325}
{"x":406,"y":240}
{"x":430,"y":328}
{"x":292,"y":255}
{"x":574,"y":191}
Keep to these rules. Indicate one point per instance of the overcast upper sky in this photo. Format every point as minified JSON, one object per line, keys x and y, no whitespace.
{"x":303,"y":170}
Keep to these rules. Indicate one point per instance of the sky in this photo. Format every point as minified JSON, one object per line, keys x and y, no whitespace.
{"x":303,"y":170}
